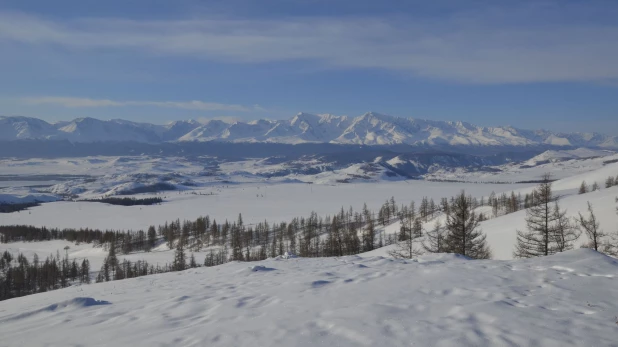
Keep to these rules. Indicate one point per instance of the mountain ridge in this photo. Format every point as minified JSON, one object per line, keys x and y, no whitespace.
{"x":371,"y":128}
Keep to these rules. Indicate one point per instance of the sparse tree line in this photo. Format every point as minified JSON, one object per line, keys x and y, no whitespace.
{"x":113,"y":269}
{"x":125,"y":241}
{"x":610,"y":181}
{"x":347,"y":232}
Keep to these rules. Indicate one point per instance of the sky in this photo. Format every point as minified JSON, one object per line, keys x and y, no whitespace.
{"x":530,"y":64}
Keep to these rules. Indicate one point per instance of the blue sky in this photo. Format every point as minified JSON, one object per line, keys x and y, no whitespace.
{"x":530,"y":64}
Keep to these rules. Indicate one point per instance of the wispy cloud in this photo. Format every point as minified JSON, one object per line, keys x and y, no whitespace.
{"x":527,"y":43}
{"x":74,"y":102}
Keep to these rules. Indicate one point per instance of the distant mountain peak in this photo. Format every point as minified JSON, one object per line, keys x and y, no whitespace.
{"x":371,"y":128}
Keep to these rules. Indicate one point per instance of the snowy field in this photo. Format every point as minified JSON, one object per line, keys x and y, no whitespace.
{"x":570,"y":299}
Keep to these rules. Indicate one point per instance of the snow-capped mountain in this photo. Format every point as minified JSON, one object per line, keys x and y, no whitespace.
{"x":369,"y":129}
{"x":16,"y":128}
{"x":94,"y":130}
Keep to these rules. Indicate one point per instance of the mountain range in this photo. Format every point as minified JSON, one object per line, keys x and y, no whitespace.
{"x":369,"y":129}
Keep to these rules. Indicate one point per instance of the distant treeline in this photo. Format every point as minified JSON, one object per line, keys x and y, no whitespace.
{"x":8,"y":208}
{"x":124,"y":241}
{"x":127,"y":201}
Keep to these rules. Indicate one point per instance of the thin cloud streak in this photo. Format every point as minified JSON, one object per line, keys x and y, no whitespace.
{"x":483,"y":46}
{"x":73,"y":102}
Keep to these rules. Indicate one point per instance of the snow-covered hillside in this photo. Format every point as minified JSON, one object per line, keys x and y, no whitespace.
{"x":570,"y":299}
{"x":561,"y":164}
{"x":369,"y":129}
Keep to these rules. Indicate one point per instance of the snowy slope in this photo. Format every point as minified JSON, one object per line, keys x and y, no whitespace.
{"x":368,"y":129}
{"x":579,"y":153}
{"x":569,"y":299}
{"x":21,"y":199}
{"x":561,"y":164}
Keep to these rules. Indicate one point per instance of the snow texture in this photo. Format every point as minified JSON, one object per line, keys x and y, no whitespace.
{"x":570,"y":299}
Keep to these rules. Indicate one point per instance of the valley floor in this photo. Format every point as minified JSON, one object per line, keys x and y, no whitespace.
{"x":570,"y":299}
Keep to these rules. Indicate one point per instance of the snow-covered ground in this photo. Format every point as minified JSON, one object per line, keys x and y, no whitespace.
{"x":274,"y":202}
{"x":570,"y":299}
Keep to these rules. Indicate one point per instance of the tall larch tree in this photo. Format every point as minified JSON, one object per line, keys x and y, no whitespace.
{"x":463,"y":235}
{"x":540,"y":219}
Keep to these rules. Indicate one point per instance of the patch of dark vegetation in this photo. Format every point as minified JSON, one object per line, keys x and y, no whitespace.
{"x":128,"y":201}
{"x":9,"y":208}
{"x":610,"y":161}
{"x":152,"y":188}
{"x":535,"y":181}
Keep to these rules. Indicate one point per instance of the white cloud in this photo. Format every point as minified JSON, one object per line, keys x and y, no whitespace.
{"x":73,"y":102}
{"x":527,"y":43}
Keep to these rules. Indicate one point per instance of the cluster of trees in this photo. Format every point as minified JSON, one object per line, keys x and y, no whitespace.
{"x":114,"y":269}
{"x":550,"y":231}
{"x":9,"y":208}
{"x":609,"y":182}
{"x":127,"y":201}
{"x":20,"y":277}
{"x":460,"y":234}
{"x":127,"y":241}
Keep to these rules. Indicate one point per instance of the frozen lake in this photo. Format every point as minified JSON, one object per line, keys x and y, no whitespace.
{"x":278,"y":202}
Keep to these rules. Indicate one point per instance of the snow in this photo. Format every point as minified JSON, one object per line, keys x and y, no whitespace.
{"x":579,"y":153}
{"x":570,"y":299}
